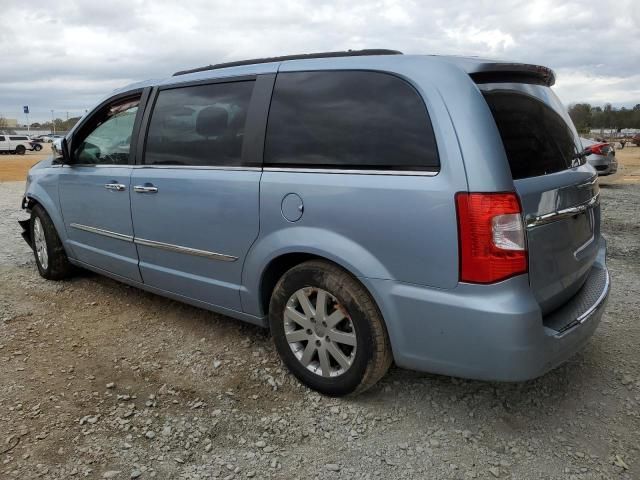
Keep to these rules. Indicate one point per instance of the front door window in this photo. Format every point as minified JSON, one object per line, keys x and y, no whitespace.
{"x":108,"y":140}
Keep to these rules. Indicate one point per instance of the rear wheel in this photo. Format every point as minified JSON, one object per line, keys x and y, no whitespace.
{"x":51,"y":258}
{"x":328,"y":330}
{"x":20,"y":150}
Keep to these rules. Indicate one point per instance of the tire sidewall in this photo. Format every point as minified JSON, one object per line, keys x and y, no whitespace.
{"x":313,"y":276}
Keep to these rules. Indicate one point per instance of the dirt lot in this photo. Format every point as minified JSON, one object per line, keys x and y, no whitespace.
{"x":100,"y":380}
{"x":15,"y":167}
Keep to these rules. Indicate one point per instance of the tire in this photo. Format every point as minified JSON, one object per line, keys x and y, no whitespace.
{"x":52,"y":262}
{"x":37,"y":147}
{"x":20,"y":150}
{"x":362,"y":364}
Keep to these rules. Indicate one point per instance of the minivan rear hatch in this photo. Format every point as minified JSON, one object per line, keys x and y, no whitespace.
{"x":558,"y":192}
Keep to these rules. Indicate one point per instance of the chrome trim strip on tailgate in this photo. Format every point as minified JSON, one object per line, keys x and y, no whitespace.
{"x":187,"y":250}
{"x":534,"y":221}
{"x":101,"y":231}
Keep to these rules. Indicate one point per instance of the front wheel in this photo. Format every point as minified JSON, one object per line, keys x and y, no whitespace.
{"x":328,"y":330}
{"x":51,"y":258}
{"x":20,"y":150}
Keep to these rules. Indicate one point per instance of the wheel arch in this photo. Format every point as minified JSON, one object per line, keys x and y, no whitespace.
{"x":36,"y":195}
{"x":275,"y":253}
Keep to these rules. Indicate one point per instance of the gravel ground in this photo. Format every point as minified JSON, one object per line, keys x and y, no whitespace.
{"x":100,"y":380}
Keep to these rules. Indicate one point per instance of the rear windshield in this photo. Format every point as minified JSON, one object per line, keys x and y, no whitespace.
{"x":536,"y":137}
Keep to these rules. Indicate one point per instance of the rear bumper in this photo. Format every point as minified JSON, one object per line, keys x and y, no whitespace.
{"x":604,"y":165}
{"x":486,"y":332}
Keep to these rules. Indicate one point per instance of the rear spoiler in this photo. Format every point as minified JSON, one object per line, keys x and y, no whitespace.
{"x":513,"y":73}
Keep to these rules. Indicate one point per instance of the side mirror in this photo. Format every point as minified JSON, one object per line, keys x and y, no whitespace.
{"x":60,"y":151}
{"x":66,"y":155}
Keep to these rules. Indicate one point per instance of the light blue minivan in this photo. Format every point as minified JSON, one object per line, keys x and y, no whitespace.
{"x":369,"y":207}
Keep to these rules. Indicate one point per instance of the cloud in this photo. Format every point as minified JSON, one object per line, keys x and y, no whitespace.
{"x":66,"y":55}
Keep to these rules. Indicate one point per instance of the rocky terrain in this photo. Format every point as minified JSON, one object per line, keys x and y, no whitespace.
{"x":100,"y":380}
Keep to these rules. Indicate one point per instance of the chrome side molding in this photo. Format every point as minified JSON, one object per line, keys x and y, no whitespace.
{"x":534,"y":221}
{"x":187,"y":250}
{"x":101,"y":231}
{"x":152,"y":243}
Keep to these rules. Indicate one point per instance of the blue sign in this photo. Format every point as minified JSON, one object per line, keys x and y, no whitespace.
{"x":26,"y":109}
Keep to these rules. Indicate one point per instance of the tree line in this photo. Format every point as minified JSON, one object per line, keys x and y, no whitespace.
{"x":60,"y":124}
{"x":585,"y":117}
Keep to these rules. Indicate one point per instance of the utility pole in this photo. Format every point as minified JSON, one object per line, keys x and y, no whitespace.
{"x":53,"y":124}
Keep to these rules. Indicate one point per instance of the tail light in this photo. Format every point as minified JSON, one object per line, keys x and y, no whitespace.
{"x":600,"y":148}
{"x":491,"y":237}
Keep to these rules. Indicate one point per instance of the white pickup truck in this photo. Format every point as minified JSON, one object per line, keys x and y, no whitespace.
{"x":18,"y":144}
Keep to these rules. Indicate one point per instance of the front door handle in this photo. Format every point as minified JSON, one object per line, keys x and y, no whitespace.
{"x":118,"y":187}
{"x":145,"y":189}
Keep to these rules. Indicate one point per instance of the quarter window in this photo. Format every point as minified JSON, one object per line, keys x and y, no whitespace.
{"x":109,"y":138}
{"x":200,"y":125}
{"x":349,"y":120}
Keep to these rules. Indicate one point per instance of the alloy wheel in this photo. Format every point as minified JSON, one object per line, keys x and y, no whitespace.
{"x":40,"y":243}
{"x":320,"y":332}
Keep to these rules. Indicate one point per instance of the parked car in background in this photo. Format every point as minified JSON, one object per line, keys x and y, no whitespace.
{"x":35,"y":146}
{"x":56,"y":146}
{"x":601,"y":156}
{"x":451,"y":224}
{"x":17,"y":144}
{"x":48,"y":138}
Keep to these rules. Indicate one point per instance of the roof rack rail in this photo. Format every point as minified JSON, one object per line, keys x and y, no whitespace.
{"x":303,"y":56}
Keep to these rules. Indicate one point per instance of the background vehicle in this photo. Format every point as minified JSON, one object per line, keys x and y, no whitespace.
{"x":56,"y":146}
{"x":602,"y":156}
{"x":450,"y":224}
{"x":17,"y":144}
{"x":48,"y":138}
{"x":35,"y":146}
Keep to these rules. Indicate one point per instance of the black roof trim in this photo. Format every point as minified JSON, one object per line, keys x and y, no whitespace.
{"x":514,"y":73}
{"x":303,"y":56}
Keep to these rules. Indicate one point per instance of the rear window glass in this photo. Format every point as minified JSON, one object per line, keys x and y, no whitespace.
{"x":350,"y":120}
{"x":537,"y":140}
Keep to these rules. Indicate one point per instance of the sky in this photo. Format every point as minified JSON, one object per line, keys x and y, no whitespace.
{"x":65,"y":55}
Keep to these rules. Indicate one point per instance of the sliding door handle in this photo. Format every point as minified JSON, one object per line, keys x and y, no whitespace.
{"x":145,"y":189}
{"x":118,"y":187}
